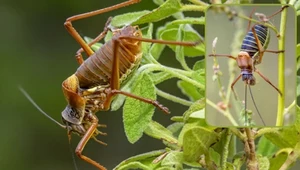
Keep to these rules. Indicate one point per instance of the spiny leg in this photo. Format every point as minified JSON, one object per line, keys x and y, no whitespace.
{"x":79,"y":57}
{"x":268,"y":81}
{"x":89,"y":133}
{"x":75,"y":34}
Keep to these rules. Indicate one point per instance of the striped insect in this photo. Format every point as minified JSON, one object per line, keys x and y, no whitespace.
{"x":254,"y":45}
{"x":98,"y":79}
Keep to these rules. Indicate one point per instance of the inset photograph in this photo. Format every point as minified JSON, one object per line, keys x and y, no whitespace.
{"x":250,"y":65}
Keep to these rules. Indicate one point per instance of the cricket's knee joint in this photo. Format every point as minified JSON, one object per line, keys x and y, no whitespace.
{"x":78,"y":153}
{"x":67,"y":24}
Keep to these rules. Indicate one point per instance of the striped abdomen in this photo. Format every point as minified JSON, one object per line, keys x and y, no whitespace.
{"x":249,"y":44}
{"x":97,"y":69}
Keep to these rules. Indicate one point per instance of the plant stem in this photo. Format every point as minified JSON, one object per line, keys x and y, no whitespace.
{"x":225,"y":151}
{"x":252,"y":163}
{"x":263,"y":131}
{"x":193,"y":8}
{"x":199,"y":2}
{"x":281,"y":78}
{"x":259,"y":22}
{"x":173,"y":98}
{"x":293,"y":104}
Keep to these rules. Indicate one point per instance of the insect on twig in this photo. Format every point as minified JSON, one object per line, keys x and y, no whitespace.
{"x":253,"y":47}
{"x":98,"y":79}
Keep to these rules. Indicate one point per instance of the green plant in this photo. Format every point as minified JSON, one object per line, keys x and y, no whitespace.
{"x":189,"y":142}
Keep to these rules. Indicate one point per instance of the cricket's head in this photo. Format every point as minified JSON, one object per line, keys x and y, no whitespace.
{"x":248,"y":77}
{"x":74,"y":111}
{"x":245,"y":63}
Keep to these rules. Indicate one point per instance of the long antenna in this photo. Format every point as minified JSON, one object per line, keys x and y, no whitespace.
{"x":256,"y":106}
{"x":36,"y":106}
{"x":73,"y":157}
{"x":245,"y":109}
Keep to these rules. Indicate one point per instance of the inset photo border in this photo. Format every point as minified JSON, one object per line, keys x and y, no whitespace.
{"x":246,"y":84}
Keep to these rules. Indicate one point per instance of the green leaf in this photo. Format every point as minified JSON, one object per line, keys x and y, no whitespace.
{"x":135,"y":18}
{"x":199,"y":65}
{"x":95,"y":46}
{"x":189,"y":90}
{"x":142,"y":160}
{"x":279,"y":158}
{"x":175,"y":128}
{"x":128,"y":18}
{"x":286,"y":137}
{"x":134,"y":165}
{"x":163,"y":11}
{"x":173,"y":159}
{"x":219,"y":147}
{"x":230,"y":166}
{"x":137,"y":114}
{"x":266,"y":147}
{"x":197,"y":106}
{"x":215,"y":157}
{"x":126,"y":86}
{"x":157,"y":131}
{"x":197,"y":141}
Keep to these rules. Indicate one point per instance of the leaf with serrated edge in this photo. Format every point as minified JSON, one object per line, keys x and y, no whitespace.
{"x":196,"y":142}
{"x":137,"y":114}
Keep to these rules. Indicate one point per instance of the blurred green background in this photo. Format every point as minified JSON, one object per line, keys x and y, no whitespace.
{"x":38,"y":54}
